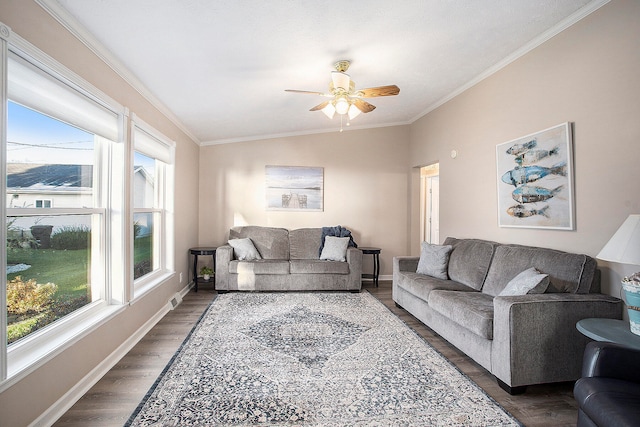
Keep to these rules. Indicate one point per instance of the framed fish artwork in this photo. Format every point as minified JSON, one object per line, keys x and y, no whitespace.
{"x":535,"y":180}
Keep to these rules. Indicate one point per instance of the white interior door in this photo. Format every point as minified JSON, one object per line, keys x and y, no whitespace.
{"x":433,"y":210}
{"x":430,"y":203}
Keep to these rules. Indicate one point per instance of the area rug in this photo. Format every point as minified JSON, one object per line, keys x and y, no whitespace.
{"x":311,"y":359}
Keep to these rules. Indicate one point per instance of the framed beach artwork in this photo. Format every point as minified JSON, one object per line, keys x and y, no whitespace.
{"x":535,"y":180}
{"x":295,"y":188}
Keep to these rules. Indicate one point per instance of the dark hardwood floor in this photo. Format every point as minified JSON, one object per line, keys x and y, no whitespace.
{"x":112,"y":400}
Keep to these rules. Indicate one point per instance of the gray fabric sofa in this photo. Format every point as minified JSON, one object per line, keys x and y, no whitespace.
{"x":521,"y":340}
{"x":290,"y":262}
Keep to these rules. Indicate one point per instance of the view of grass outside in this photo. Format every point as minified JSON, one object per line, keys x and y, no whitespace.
{"x":142,"y":250}
{"x":68,"y":270}
{"x":142,"y":244}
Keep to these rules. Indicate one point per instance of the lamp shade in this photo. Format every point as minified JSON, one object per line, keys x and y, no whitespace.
{"x":329,"y":110}
{"x":624,"y":246}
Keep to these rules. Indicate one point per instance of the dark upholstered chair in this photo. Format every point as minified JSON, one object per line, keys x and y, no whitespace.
{"x":609,"y":391}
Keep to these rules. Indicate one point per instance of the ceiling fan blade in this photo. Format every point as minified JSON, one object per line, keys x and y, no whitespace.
{"x":379,"y":91}
{"x":306,"y":91}
{"x":363,"y":106}
{"x":320,"y":106}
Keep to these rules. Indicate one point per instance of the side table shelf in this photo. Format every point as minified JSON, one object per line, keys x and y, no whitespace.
{"x":207,"y":251}
{"x":376,"y":263}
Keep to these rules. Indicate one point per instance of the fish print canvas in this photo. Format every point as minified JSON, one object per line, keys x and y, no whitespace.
{"x":535,"y":180}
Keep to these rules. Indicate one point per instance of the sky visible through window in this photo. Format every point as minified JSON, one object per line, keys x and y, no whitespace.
{"x":33,"y":137}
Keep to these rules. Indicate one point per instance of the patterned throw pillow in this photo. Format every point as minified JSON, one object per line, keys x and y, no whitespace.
{"x":434,"y":260}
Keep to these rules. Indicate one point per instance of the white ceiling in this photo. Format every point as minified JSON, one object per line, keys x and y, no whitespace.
{"x":219,"y":68}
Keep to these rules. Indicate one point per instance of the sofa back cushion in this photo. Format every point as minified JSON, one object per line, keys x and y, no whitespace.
{"x":469,"y":260}
{"x":305,"y":243}
{"x":272,"y":243}
{"x":567,"y":272}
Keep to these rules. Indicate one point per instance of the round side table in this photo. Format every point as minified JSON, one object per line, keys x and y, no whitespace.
{"x":376,"y":263}
{"x":202,"y":251}
{"x":610,"y":330}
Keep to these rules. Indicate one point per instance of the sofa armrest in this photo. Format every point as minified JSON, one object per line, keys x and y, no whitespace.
{"x":405,"y":263}
{"x":224,"y":255}
{"x":605,"y":359}
{"x":354,"y":259}
{"x":535,"y":339}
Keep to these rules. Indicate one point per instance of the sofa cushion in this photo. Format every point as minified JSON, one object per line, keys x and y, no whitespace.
{"x":304,"y":243}
{"x":262,"y":266}
{"x":244,"y":249}
{"x":421,"y":285}
{"x":566,"y":270}
{"x":335,"y":248}
{"x":530,"y":281}
{"x":471,"y":310}
{"x":434,"y":260}
{"x":316,"y":266}
{"x":469,"y":260}
{"x":272,"y":243}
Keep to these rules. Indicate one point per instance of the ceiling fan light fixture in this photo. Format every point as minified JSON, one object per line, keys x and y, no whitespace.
{"x":340,"y":80}
{"x":342,"y":105}
{"x":329,"y":110}
{"x":353,"y":112}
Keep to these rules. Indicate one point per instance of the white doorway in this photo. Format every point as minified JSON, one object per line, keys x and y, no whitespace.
{"x":430,"y":203}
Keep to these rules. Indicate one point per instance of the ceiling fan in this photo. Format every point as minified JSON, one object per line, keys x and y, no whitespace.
{"x":344,"y":98}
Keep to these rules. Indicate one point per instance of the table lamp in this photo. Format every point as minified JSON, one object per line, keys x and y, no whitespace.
{"x":624,"y":248}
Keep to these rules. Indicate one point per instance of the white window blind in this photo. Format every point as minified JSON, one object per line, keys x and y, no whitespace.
{"x":152,"y":145}
{"x":32,"y":87}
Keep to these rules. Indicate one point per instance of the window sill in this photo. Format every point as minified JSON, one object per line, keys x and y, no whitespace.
{"x":27,"y":355}
{"x":153,"y":281}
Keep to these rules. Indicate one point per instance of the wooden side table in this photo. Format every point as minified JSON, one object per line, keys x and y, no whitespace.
{"x":609,"y":330}
{"x":376,"y":263}
{"x":202,"y":251}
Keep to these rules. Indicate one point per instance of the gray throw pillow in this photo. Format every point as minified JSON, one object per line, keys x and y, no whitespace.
{"x":434,"y":260}
{"x":530,"y":281}
{"x":335,"y":248}
{"x":244,"y":249}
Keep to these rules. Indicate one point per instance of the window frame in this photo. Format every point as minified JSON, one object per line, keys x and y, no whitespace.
{"x":26,"y":355}
{"x":147,"y":140}
{"x":44,"y":202}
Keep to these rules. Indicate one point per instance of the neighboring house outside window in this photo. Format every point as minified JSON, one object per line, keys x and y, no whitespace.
{"x":43,"y":203}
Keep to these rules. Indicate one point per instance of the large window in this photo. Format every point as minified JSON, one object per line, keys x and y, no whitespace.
{"x":65,"y":192}
{"x":49,"y":256}
{"x":152,"y":184}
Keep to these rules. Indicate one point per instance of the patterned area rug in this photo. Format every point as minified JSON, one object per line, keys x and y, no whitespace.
{"x":311,"y":359}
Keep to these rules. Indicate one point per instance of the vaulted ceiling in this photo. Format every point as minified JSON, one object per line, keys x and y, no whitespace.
{"x":219,"y":68}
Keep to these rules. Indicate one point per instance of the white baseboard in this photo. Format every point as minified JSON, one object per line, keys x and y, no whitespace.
{"x":62,"y":405}
{"x":381,"y":277}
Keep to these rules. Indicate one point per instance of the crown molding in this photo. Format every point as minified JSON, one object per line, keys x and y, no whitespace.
{"x":534,"y":43}
{"x":300,"y":133}
{"x":53,"y":8}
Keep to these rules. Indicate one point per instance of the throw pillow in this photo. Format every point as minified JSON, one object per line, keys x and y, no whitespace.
{"x":434,"y":260}
{"x":244,"y":249}
{"x":335,"y":248}
{"x":530,"y":281}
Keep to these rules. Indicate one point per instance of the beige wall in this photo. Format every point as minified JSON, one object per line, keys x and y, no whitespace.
{"x":587,"y":75}
{"x":25,"y":401}
{"x":365,"y":186}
